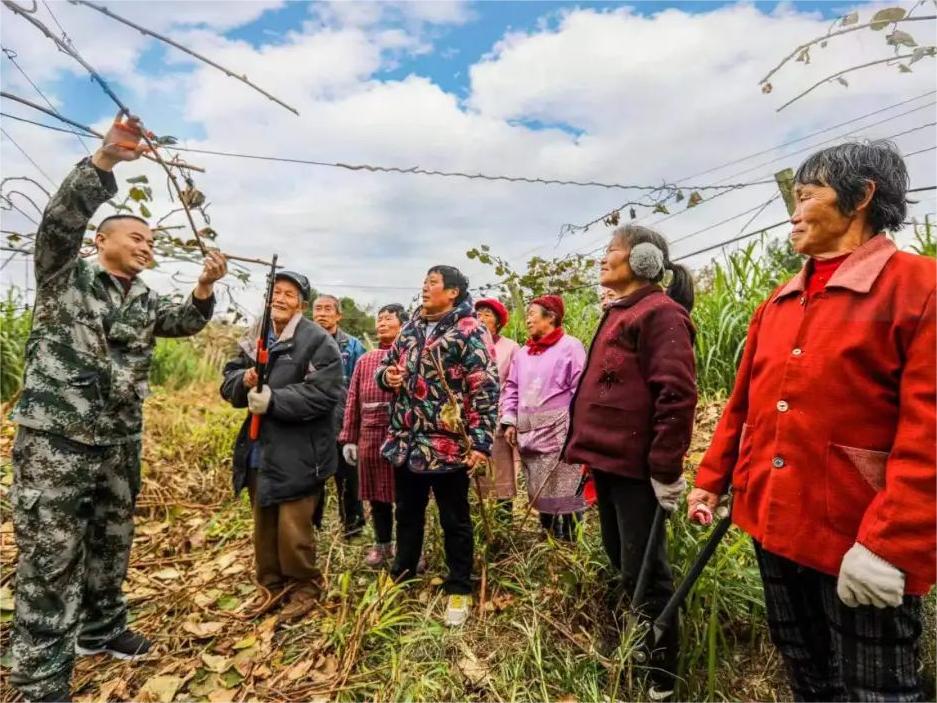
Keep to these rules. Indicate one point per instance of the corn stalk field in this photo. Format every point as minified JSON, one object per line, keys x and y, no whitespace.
{"x":545,"y":626}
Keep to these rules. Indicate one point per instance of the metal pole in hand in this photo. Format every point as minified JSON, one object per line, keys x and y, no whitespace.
{"x":644,"y":576}
{"x":663,"y":621}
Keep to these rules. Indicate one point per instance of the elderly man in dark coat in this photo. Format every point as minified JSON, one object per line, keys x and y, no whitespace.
{"x":286,"y":468}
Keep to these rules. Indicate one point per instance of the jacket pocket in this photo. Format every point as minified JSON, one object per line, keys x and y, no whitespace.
{"x":30,"y":527}
{"x":24,"y":499}
{"x":25,"y":516}
{"x":611,"y":432}
{"x":853,"y":477}
{"x":743,"y":464}
{"x":375,"y":415}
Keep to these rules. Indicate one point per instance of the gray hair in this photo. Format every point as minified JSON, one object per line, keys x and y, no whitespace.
{"x":849,"y":168}
{"x":633,"y":236}
{"x":335,"y":301}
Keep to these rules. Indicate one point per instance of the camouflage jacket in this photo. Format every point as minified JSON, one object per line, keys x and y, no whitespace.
{"x":89,"y":351}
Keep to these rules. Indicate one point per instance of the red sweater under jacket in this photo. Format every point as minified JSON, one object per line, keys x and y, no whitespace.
{"x":828,"y":437}
{"x":632,"y":414}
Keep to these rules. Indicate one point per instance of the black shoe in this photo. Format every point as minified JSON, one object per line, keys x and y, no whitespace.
{"x":127,"y":645}
{"x":61,"y":696}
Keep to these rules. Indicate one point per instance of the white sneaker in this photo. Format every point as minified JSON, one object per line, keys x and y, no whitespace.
{"x":658,"y":694}
{"x":458,"y":609}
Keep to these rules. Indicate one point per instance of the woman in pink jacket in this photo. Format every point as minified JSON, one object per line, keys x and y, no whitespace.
{"x":535,"y":413}
{"x":501,"y":479}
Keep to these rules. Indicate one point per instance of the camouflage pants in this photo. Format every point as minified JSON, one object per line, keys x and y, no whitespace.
{"x":73,"y":517}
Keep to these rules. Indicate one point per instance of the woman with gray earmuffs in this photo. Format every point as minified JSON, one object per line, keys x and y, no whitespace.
{"x":632,"y":417}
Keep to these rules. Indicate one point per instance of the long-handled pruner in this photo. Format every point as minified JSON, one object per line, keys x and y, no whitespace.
{"x":665,"y":618}
{"x":676,"y":600}
{"x":644,"y":575}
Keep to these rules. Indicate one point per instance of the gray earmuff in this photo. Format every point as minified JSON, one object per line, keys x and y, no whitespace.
{"x":646,"y":261}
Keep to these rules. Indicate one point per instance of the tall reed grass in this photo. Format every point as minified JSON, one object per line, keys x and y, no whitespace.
{"x":15,"y":322}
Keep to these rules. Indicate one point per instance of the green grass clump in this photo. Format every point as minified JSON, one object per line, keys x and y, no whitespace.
{"x":15,"y":323}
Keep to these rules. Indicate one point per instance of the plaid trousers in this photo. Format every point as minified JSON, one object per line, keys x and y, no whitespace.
{"x":834,"y":652}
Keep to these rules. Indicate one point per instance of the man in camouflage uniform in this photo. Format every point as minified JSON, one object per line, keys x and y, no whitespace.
{"x":76,"y":459}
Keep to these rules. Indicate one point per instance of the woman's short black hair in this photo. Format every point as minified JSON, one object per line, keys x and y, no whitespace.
{"x":453,"y":278}
{"x":395,"y":309}
{"x":849,"y":168}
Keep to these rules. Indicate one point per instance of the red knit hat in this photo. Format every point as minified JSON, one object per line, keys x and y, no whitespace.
{"x":552,"y":303}
{"x":497,"y":307}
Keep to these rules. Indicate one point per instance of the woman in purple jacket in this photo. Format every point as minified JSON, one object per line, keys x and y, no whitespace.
{"x":632,"y":415}
{"x":535,"y":401}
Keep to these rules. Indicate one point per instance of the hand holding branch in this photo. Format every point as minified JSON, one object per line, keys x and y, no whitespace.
{"x":216,"y":266}
{"x":474,"y":461}
{"x":393,"y":377}
{"x":121,"y":143}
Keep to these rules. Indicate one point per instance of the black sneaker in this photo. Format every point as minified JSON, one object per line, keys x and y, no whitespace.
{"x":127,"y":645}
{"x":60,"y":696}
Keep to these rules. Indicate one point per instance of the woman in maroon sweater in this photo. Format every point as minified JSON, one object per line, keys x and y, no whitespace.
{"x":632,"y":415}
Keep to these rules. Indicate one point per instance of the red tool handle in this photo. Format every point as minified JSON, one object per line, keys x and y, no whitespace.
{"x":263,"y":356}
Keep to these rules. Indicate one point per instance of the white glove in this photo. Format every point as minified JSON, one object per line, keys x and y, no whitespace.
{"x":258,"y":401}
{"x":867,"y":579}
{"x":668,"y":494}
{"x":350,"y":452}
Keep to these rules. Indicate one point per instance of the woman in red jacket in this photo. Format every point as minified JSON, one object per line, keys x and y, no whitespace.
{"x":827,"y":440}
{"x":632,"y":415}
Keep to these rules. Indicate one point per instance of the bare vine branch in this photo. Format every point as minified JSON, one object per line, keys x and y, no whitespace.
{"x":68,"y":49}
{"x":28,"y":180}
{"x":167,"y":40}
{"x":71,"y":51}
{"x":7,"y":204}
{"x":840,"y":73}
{"x":825,"y":37}
{"x":24,"y":197}
{"x":176,"y":161}
{"x":168,"y":215}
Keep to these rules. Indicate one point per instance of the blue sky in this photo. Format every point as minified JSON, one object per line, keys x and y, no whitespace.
{"x":456,"y":47}
{"x":460,"y":46}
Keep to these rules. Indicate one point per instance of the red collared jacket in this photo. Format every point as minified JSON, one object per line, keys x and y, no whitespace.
{"x":828,"y":437}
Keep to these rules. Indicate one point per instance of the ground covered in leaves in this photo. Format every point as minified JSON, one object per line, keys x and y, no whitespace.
{"x":543,"y":627}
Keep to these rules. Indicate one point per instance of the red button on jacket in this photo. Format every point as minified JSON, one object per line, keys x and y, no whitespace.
{"x":852,"y":458}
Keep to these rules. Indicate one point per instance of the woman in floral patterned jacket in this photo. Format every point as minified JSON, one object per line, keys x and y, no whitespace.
{"x":443,"y":371}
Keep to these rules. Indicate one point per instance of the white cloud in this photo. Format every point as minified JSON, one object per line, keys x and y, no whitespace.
{"x":657,"y":97}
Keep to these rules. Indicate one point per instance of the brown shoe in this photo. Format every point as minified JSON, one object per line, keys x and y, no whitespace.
{"x":301,"y":601}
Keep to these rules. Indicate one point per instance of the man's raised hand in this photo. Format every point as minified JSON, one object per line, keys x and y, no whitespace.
{"x":215,"y":267}
{"x":123,"y":142}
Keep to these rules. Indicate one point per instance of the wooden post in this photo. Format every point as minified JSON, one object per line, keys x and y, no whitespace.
{"x":785,"y":181}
